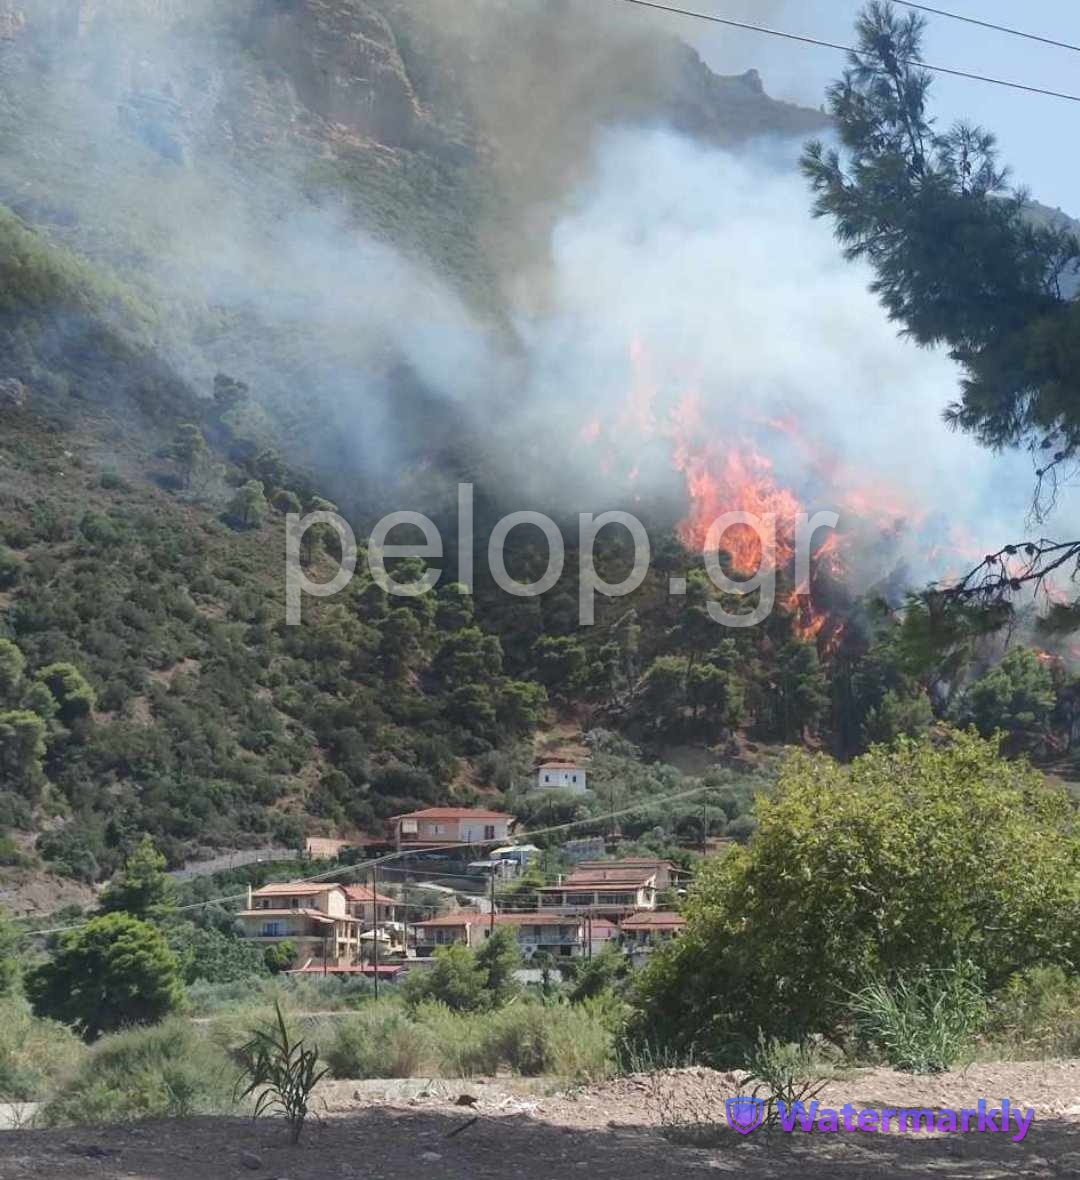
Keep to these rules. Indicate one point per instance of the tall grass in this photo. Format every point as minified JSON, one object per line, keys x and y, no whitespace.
{"x":36,"y":1055}
{"x":380,"y":1041}
{"x":168,"y":1071}
{"x":525,"y":1038}
{"x":923,"y":1022}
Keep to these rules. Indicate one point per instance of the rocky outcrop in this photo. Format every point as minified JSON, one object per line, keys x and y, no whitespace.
{"x":13,"y":394}
{"x":343,"y":60}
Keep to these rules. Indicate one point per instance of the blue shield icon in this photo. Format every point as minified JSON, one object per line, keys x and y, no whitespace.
{"x":745,"y":1114}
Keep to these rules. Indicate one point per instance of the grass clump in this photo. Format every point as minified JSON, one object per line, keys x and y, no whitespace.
{"x":35,"y":1055}
{"x":168,"y":1071}
{"x":380,"y":1041}
{"x":923,"y":1022}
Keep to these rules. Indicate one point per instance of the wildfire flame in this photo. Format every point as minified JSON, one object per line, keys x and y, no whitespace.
{"x":739,"y":473}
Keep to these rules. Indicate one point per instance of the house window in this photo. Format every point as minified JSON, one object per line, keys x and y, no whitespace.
{"x":575,"y":778}
{"x":489,"y":831}
{"x":271,"y":929}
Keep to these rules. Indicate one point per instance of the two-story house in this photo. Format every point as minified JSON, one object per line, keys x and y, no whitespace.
{"x":449,"y":827}
{"x":314,"y":918}
{"x":606,"y":889}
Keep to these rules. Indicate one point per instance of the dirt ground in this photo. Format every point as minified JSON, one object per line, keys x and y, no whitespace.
{"x":606,"y":1131}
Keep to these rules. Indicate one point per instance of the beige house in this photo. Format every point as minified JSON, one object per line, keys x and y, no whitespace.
{"x":606,"y":889}
{"x":315,"y":918}
{"x":373,"y":909}
{"x":436,"y":827}
{"x":644,"y":931}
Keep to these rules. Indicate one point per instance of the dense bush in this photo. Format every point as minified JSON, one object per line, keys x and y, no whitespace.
{"x":169,"y":1071}
{"x":916,"y":856}
{"x":1036,"y":1015}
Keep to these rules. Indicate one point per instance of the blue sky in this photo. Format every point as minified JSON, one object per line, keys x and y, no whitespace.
{"x":1037,"y":135}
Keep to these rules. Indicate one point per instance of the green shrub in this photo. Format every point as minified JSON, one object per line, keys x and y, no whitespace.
{"x":564,"y":1041}
{"x":169,"y":1071}
{"x":924,"y":1021}
{"x":34,"y":1054}
{"x":380,"y":1041}
{"x":920,"y":854}
{"x":779,"y":1072}
{"x":1037,"y":1015}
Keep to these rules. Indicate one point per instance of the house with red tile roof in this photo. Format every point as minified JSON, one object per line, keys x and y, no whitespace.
{"x":312,"y":917}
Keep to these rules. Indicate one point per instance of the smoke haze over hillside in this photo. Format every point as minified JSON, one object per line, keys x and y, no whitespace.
{"x":618,"y":233}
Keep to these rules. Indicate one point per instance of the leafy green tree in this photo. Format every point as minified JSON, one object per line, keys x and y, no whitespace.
{"x":12,"y":668}
{"x":606,"y":971}
{"x":229,"y":393}
{"x":74,"y":697}
{"x":22,"y":748}
{"x":141,"y":888}
{"x":1017,"y":696}
{"x":454,"y":979}
{"x":279,"y":956}
{"x":10,"y":568}
{"x":213,"y":956}
{"x":799,"y":699}
{"x":561,"y":664}
{"x":70,"y":853}
{"x":285,"y":501}
{"x":190,"y":451}
{"x":9,"y":960}
{"x":920,"y":855}
{"x":113,"y":972}
{"x":498,"y":958}
{"x":249,"y":506}
{"x":898,"y":715}
{"x":520,"y":706}
{"x":454,"y":611}
{"x":662,"y":693}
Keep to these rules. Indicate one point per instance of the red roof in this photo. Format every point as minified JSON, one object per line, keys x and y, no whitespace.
{"x":453,"y":813}
{"x":654,"y":920}
{"x":363,"y":893}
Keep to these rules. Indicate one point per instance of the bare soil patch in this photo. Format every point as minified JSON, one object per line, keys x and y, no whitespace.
{"x":606,"y":1131}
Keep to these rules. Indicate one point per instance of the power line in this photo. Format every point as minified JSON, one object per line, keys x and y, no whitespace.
{"x":822,"y":44}
{"x":985,"y":24}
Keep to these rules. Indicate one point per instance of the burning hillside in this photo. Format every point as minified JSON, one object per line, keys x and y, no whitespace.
{"x":771,"y":468}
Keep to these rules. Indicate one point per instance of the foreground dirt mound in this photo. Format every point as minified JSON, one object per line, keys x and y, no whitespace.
{"x":461,"y":1131}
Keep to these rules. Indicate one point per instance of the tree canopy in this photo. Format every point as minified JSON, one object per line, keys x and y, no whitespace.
{"x":919,"y":855}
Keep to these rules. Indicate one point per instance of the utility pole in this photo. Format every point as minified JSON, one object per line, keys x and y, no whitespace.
{"x":375,"y":928}
{"x":491,"y":897}
{"x":704,"y":825}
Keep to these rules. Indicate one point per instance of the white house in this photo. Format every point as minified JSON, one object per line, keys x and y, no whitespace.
{"x":561,"y":776}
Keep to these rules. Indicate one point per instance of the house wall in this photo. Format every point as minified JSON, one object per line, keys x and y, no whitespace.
{"x":570,"y":778}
